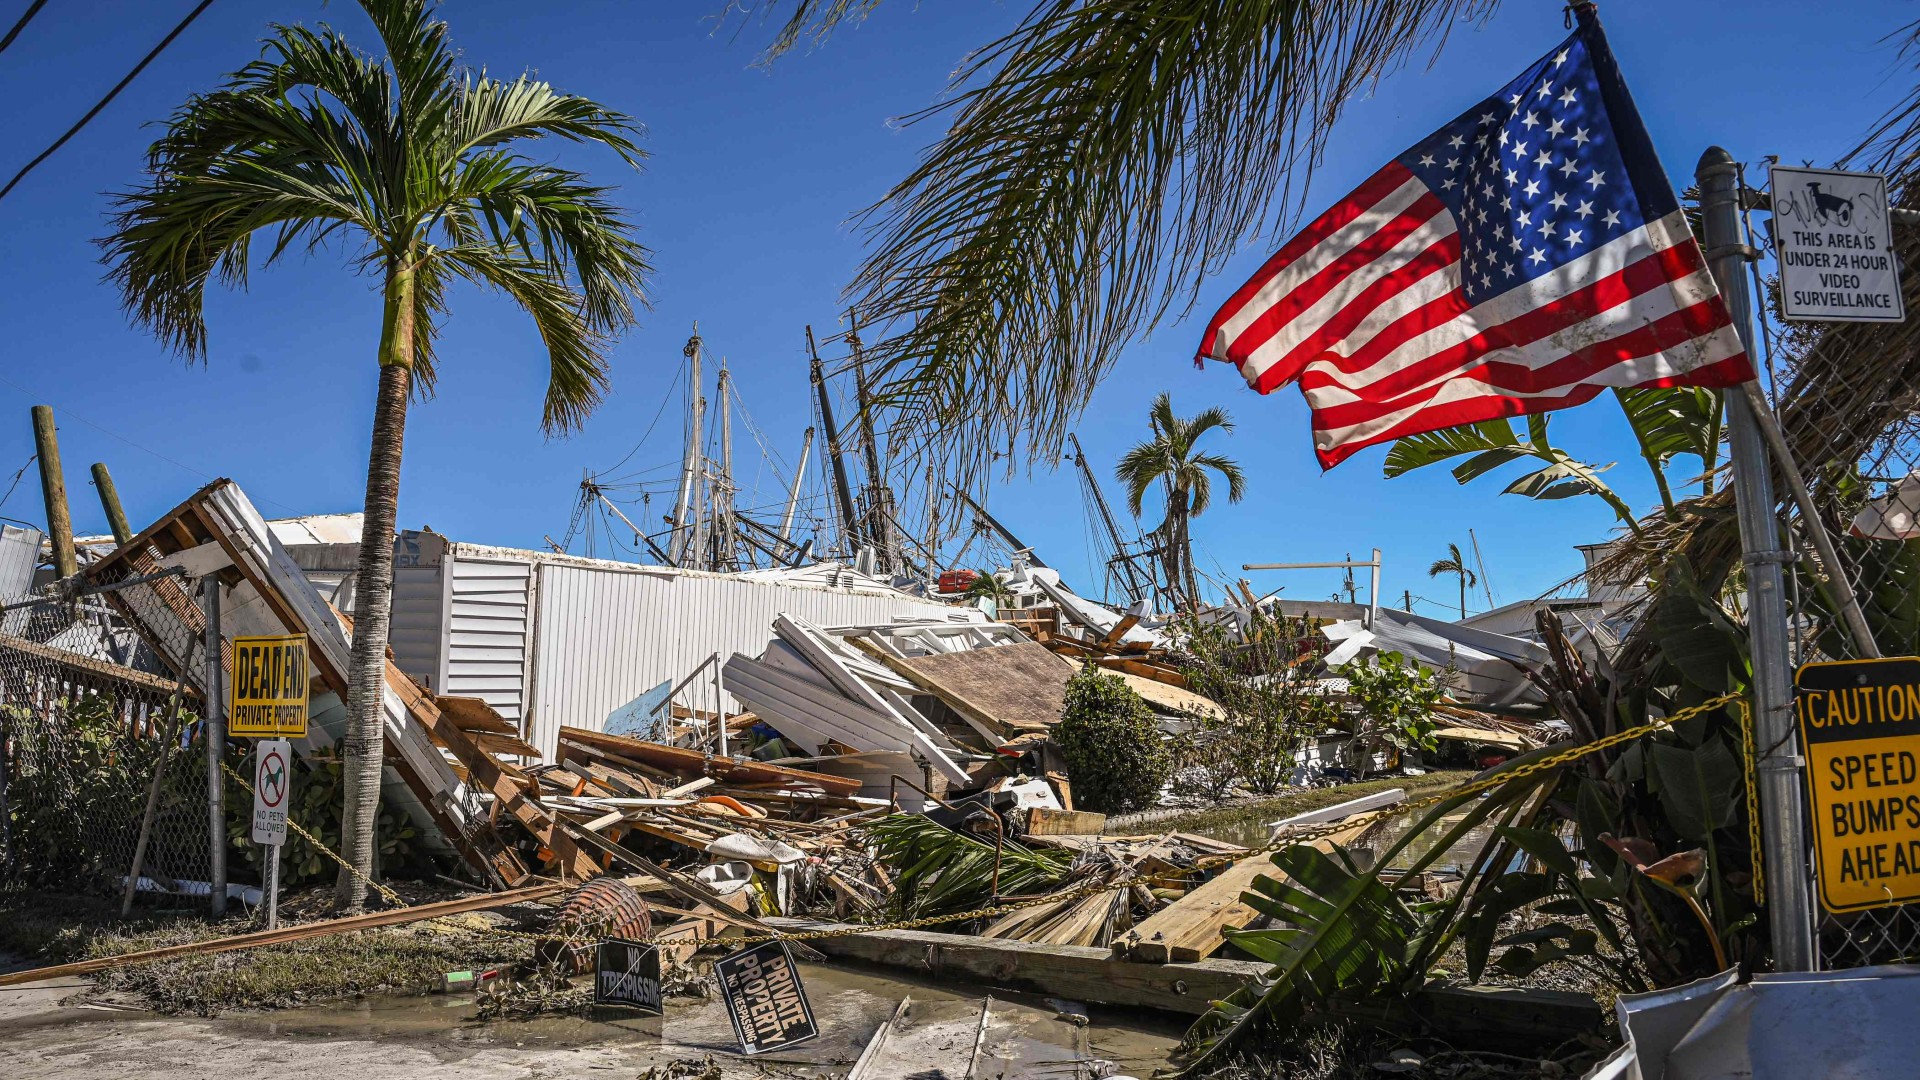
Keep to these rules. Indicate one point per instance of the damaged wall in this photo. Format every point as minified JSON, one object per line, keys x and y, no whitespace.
{"x":551,"y":640}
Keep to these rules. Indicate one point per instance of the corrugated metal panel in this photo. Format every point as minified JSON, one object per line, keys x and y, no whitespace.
{"x":485,"y":633}
{"x":19,"y":553}
{"x":606,"y":633}
{"x":415,"y":633}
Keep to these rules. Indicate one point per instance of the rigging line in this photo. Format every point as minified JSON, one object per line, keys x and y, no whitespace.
{"x":658,"y":413}
{"x":143,"y":449}
{"x":32,"y":10}
{"x":31,"y":458}
{"x":111,"y":94}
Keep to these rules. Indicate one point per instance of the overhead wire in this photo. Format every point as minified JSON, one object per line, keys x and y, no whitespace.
{"x":21,"y":23}
{"x":111,"y":94}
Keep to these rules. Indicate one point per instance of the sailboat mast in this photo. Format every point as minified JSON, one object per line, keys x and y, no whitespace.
{"x":723,"y":530}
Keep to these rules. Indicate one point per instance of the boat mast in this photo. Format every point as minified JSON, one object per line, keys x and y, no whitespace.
{"x":690,"y":463}
{"x":878,"y":495}
{"x":849,"y":531}
{"x":793,"y":493}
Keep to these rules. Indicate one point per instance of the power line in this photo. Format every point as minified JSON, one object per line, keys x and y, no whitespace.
{"x":64,"y":411}
{"x":32,"y":10}
{"x":111,"y":94}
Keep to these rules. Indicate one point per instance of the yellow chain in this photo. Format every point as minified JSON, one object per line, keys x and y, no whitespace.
{"x":1749,"y":773}
{"x":387,"y":894}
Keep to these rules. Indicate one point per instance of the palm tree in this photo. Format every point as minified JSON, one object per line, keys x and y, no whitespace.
{"x":1455,"y":564}
{"x":987,"y":585}
{"x":1171,"y":460}
{"x":1094,"y":166}
{"x":414,"y":165}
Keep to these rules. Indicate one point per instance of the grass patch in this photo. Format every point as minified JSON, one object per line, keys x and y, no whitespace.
{"x":404,"y":959}
{"x":1299,"y":802}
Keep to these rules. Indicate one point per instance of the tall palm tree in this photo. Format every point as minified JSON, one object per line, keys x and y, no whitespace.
{"x":1093,"y":167}
{"x":1455,"y":564}
{"x":1171,"y":460}
{"x":417,"y":168}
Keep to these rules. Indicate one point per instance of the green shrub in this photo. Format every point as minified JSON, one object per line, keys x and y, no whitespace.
{"x":1116,"y":757}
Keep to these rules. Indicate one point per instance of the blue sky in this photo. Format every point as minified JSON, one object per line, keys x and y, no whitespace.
{"x":745,"y":202}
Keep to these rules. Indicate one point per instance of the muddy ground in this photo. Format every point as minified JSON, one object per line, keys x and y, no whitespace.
{"x":65,"y":1030}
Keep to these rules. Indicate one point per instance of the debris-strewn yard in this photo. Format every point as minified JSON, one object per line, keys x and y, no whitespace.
{"x":406,"y":959}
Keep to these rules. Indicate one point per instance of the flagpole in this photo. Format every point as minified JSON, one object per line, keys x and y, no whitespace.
{"x":1789,"y":899}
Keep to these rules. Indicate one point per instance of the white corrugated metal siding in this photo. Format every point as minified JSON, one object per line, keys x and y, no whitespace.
{"x":419,"y":594}
{"x":19,"y":554}
{"x":607,"y":633}
{"x":487,"y":610}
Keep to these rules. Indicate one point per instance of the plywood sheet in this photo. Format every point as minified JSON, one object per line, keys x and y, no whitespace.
{"x":1019,"y":686}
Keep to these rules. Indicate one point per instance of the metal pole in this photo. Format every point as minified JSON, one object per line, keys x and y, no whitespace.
{"x":1789,"y":902}
{"x":53,"y":486}
{"x":720,"y":704}
{"x":793,"y":493}
{"x":215,"y":729}
{"x":1373,"y":592}
{"x":850,"y":538}
{"x":110,"y":502}
{"x":273,"y":886}
{"x":690,"y":464}
{"x":723,"y":502}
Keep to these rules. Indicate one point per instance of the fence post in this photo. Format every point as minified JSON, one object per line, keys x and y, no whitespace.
{"x":1789,"y":899}
{"x":215,"y":729}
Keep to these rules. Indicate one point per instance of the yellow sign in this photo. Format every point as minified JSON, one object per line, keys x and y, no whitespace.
{"x":267,"y":689}
{"x":1860,"y":725}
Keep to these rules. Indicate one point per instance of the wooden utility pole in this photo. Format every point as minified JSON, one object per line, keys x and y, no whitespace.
{"x":53,"y":485}
{"x":110,"y":502}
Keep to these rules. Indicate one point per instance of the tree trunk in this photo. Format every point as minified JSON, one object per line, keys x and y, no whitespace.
{"x":373,"y":594}
{"x":1463,"y":596}
{"x":1183,"y":542}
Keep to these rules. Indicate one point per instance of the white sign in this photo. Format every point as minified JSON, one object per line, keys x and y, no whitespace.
{"x":1835,"y":242}
{"x":272,"y":782}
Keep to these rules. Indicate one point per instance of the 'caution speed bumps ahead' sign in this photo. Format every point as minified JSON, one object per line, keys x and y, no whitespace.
{"x":267,"y":688}
{"x":1860,"y":725}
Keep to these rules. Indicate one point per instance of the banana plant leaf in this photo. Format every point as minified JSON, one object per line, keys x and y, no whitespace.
{"x":1341,"y":930}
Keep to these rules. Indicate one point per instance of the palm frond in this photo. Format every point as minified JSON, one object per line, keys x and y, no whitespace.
{"x":1340,"y":932}
{"x":938,"y":871}
{"x":1097,"y":164}
{"x":1229,"y":468}
{"x":812,"y":19}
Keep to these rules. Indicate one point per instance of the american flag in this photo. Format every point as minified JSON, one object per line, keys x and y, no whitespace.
{"x":1522,"y":258}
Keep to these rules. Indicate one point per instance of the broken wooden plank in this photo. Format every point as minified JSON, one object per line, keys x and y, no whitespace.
{"x":691,"y":763}
{"x":1192,"y":927}
{"x":1046,"y":821}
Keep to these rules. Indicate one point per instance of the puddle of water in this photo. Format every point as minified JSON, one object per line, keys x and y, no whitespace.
{"x":849,"y":1005}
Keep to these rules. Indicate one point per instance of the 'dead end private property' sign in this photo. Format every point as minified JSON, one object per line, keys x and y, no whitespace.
{"x":1860,"y":726}
{"x":267,"y":688}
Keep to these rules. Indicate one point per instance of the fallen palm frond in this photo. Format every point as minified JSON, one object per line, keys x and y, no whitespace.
{"x":1341,"y":933}
{"x":938,"y":871}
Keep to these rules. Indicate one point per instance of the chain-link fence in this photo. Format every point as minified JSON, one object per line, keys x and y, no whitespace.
{"x":97,"y":747}
{"x":1848,"y":399}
